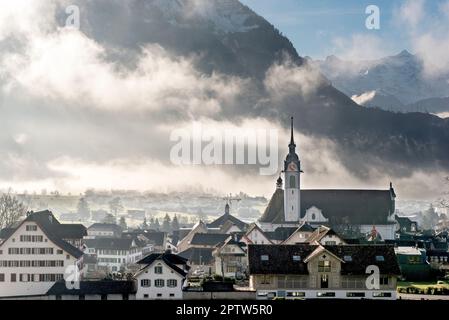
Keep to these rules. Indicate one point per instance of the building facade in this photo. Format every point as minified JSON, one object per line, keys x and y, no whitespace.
{"x":35,"y":256}
{"x":306,"y":271}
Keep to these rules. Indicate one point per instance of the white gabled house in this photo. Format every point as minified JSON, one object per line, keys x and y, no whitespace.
{"x":34,"y":256}
{"x":162,"y":277}
{"x":230,"y":258}
{"x":255,"y":235}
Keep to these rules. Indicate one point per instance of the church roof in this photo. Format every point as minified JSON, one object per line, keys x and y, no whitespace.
{"x":339,"y":206}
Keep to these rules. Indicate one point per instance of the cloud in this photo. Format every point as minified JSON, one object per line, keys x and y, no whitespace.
{"x":287,"y":78}
{"x":411,"y":13}
{"x":360,"y":47}
{"x":364,"y":97}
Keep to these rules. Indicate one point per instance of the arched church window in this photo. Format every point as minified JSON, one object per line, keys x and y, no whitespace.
{"x":292,"y":182}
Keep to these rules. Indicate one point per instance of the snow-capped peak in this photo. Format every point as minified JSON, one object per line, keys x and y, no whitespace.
{"x":227,"y":16}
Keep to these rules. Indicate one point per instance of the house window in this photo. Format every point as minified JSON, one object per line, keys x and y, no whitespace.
{"x":125,"y":296}
{"x":330,"y":243}
{"x":31,"y":228}
{"x":58,"y":297}
{"x":383,"y":281}
{"x":264,"y":257}
{"x":158,"y":269}
{"x":265,"y":280}
{"x":172,"y":295}
{"x":172,"y":283}
{"x":231,"y":269}
{"x":59,"y":251}
{"x":324,"y":266}
{"x":13,"y":277}
{"x":145,"y":283}
{"x":146,"y":296}
{"x":67,"y":257}
{"x":159,"y":295}
{"x":2,"y":277}
{"x":313,"y":216}
{"x":159,"y":283}
{"x":292,"y":182}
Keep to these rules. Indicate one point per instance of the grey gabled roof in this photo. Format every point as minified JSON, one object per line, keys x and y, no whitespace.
{"x":280,"y":258}
{"x":94,"y":288}
{"x":225,"y":218}
{"x":339,"y":206}
{"x":109,"y":243}
{"x":208,"y":239}
{"x":172,"y":260}
{"x":52,"y":229}
{"x":198,"y":256}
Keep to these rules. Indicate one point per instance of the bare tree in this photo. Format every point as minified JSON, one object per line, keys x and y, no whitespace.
{"x":11,"y":210}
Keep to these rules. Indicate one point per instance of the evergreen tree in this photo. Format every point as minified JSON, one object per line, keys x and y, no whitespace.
{"x":175,"y":223}
{"x":152,"y":226}
{"x":166,"y":225}
{"x":144,"y":224}
{"x":157,"y":225}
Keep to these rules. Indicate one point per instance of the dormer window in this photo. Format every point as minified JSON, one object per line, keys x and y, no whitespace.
{"x":347,"y":258}
{"x":296,"y":258}
{"x":264,"y":257}
{"x":380,"y":258}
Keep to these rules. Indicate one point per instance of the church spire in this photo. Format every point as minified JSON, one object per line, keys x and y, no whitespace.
{"x":292,"y":145}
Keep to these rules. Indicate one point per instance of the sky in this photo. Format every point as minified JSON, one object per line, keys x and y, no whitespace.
{"x":74,"y":117}
{"x":317,"y":28}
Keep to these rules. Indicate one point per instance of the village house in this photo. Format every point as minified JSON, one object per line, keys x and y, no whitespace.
{"x":107,"y":230}
{"x":200,"y":261}
{"x":230,"y":258}
{"x":116,"y":254}
{"x":308,"y":271}
{"x":34,"y":255}
{"x":161,"y":277}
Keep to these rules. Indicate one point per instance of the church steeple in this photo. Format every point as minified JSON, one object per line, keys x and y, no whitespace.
{"x":292,"y":145}
{"x":292,"y":175}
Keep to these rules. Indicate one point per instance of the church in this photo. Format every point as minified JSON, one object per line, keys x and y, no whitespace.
{"x":350,"y":212}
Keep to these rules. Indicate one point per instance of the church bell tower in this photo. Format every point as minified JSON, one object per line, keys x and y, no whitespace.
{"x":292,"y":175}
